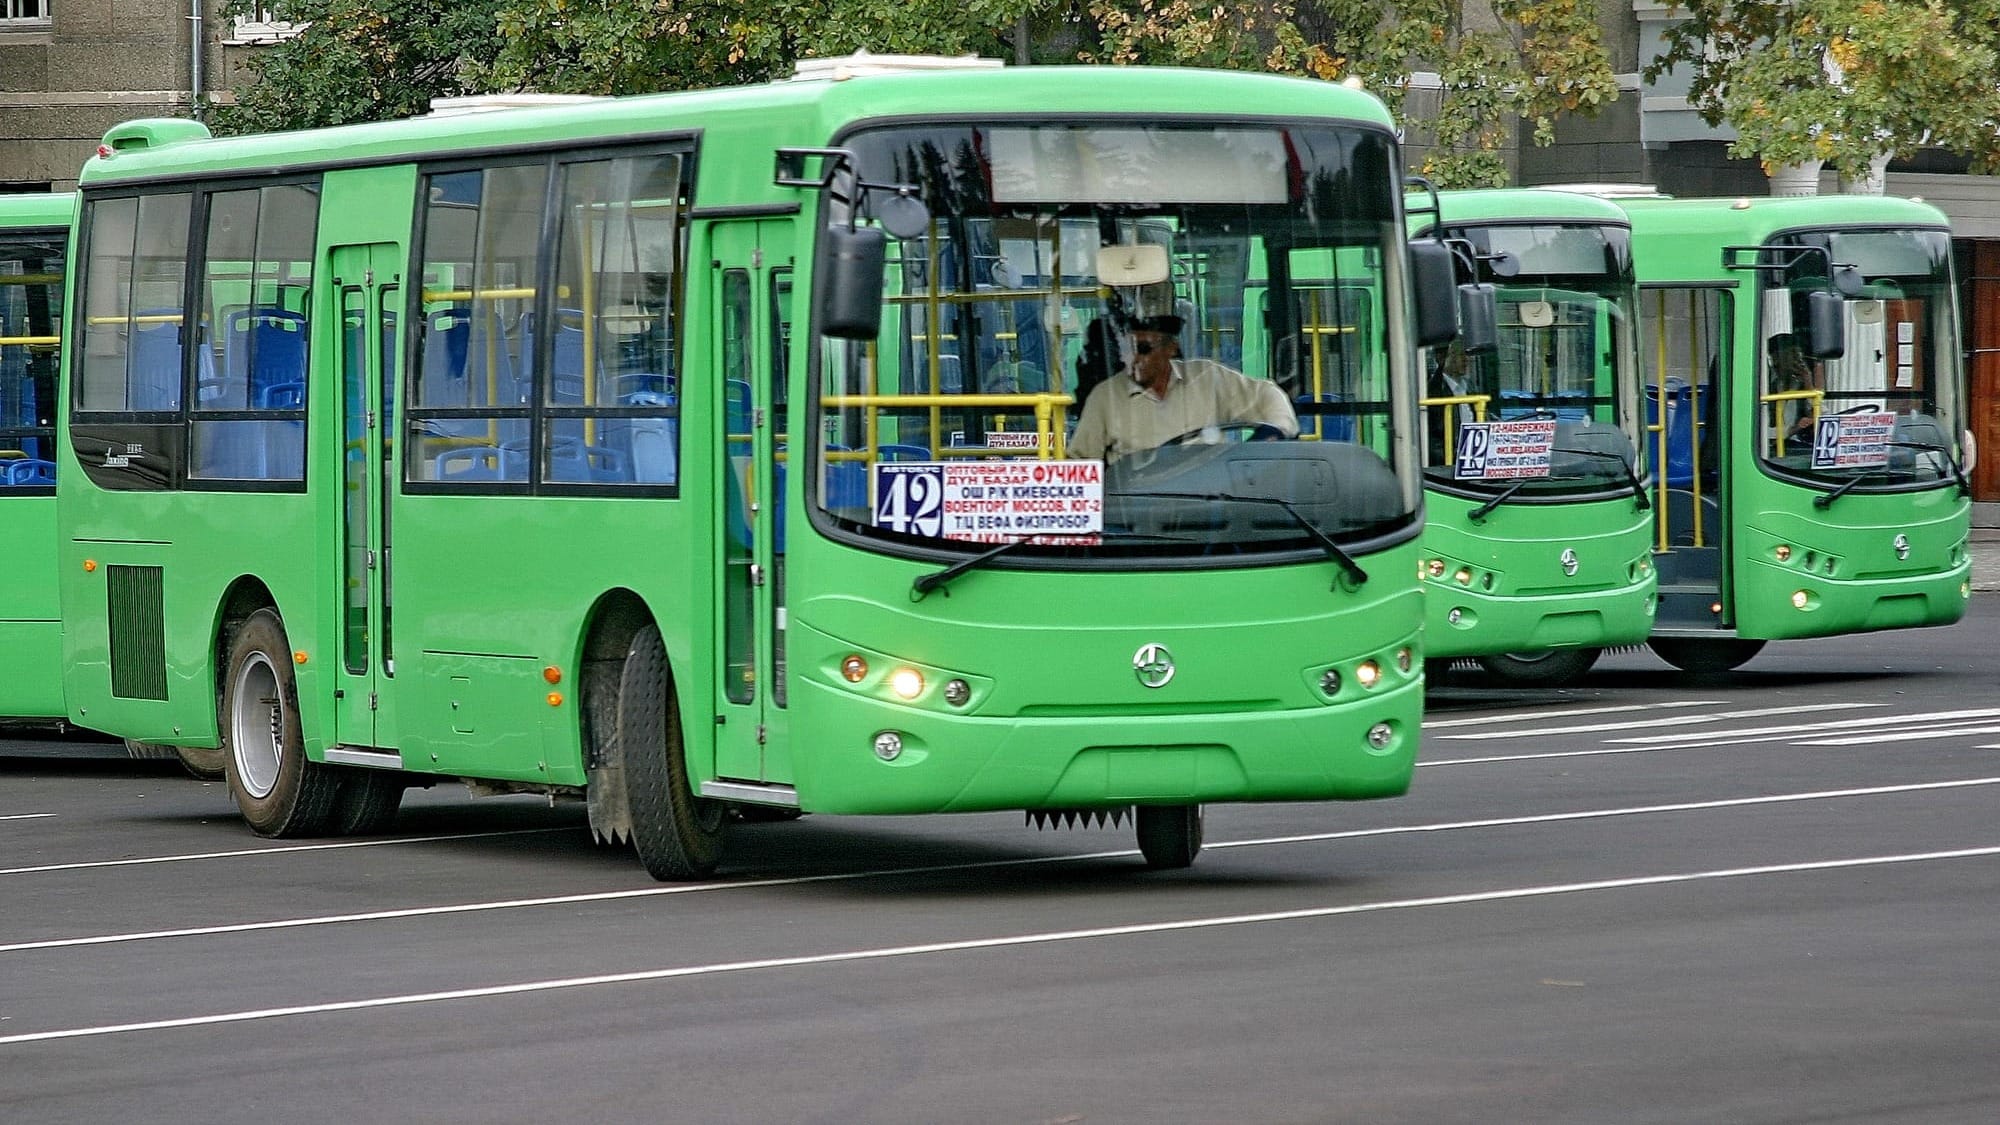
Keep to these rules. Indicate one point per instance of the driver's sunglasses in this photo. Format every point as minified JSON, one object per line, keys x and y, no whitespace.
{"x":1144,"y":346}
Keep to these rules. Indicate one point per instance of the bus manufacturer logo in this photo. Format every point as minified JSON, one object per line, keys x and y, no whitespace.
{"x":1902,"y":545}
{"x":1154,"y":665}
{"x":1569,"y":561}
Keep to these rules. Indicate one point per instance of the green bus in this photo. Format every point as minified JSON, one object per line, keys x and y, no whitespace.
{"x":34,"y":237}
{"x":1805,"y":401}
{"x":701,"y":456}
{"x":1537,"y":538}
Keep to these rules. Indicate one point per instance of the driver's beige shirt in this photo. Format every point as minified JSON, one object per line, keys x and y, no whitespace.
{"x":1120,"y":417}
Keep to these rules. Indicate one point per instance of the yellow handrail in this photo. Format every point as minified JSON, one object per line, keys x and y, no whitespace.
{"x":30,"y":340}
{"x":1476,"y":402}
{"x":1777,"y":419}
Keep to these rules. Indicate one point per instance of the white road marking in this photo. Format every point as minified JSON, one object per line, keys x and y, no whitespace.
{"x":1669,"y":721}
{"x":1047,"y":937}
{"x":273,"y":851}
{"x":26,"y":815}
{"x":1753,"y":733}
{"x":690,"y":888}
{"x":1900,"y":736}
{"x":1520,"y":716}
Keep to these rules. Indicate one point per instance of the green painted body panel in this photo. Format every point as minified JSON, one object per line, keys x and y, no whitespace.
{"x":1517,"y":597}
{"x":1679,"y":243}
{"x":494,"y":597}
{"x":30,"y":624}
{"x":1531,"y":603}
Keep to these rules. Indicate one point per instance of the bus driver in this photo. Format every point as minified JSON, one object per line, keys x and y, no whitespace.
{"x":1167,"y":397}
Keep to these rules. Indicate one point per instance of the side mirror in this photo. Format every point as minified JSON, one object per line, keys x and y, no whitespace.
{"x":1434,"y":285}
{"x":1826,"y":325}
{"x":1479,"y":319}
{"x":850,"y":282}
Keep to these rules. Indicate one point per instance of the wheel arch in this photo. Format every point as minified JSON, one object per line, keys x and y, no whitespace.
{"x":614,"y":619}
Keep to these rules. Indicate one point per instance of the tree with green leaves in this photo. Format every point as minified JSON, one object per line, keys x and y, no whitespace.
{"x":359,"y":60}
{"x":1846,"y":82}
{"x":642,"y":46}
{"x":1497,"y":63}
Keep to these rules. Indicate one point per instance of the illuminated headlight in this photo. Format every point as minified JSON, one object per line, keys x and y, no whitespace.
{"x":888,"y":745}
{"x":956,"y":692}
{"x":1329,"y":682}
{"x":854,"y":669}
{"x":1367,"y":673}
{"x":1381,"y":735}
{"x":907,"y":683}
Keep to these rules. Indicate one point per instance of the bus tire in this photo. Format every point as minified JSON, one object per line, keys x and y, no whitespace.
{"x":1704,"y":654}
{"x":205,"y":763}
{"x":148,"y":750}
{"x":368,"y":802}
{"x":678,"y":836}
{"x":1551,"y":667}
{"x":1169,"y":835}
{"x":277,"y":788}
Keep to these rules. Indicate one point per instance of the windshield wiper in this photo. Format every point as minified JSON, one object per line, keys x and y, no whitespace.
{"x":1632,"y":478}
{"x":925,"y":583}
{"x":1826,"y":499}
{"x":1347,"y":564}
{"x":1486,"y":509}
{"x":1964,"y":486}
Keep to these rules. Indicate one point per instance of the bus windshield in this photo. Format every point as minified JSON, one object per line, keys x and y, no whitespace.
{"x":1885,"y":413}
{"x":1561,"y":389}
{"x":1255,"y":273}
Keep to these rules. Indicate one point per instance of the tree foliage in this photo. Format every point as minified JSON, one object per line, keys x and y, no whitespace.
{"x":359,"y":60}
{"x":1495,"y":62}
{"x":1843,"y":81}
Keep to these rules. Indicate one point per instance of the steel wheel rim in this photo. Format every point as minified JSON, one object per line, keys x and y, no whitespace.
{"x":256,"y":726}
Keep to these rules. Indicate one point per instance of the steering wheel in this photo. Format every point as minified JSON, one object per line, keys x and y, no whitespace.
{"x":1249,"y":431}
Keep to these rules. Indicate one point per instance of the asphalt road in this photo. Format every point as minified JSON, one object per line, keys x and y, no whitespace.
{"x":1766,"y":897}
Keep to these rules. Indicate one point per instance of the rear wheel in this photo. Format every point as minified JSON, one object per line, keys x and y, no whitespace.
{"x":200,"y":763}
{"x":204,"y":762}
{"x":368,"y":802}
{"x":1551,"y":667}
{"x":1704,"y":654}
{"x":279,"y":791}
{"x":1169,"y":835}
{"x":677,"y":835}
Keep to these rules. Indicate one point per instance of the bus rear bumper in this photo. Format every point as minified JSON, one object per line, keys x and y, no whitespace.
{"x":964,"y":763}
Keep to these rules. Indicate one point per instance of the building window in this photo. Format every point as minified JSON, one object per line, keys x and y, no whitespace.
{"x":24,"y":11}
{"x":256,"y":26}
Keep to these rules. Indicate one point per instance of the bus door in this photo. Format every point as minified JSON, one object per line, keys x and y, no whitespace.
{"x":1685,"y":353}
{"x":751,"y":283}
{"x":367,"y":284}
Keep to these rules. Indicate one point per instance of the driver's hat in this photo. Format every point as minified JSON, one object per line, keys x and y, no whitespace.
{"x":1167,"y":324}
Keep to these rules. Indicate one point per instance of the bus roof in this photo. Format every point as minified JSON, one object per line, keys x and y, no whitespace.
{"x":40,"y":210}
{"x":1514,"y":204}
{"x":791,"y":112}
{"x":1749,"y":219}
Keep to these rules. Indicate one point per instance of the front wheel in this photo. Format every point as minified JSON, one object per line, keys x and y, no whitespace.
{"x":677,"y":835}
{"x":1169,"y":835}
{"x":1551,"y":667}
{"x":204,"y":764}
{"x":1704,"y":654}
{"x":279,"y":791}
